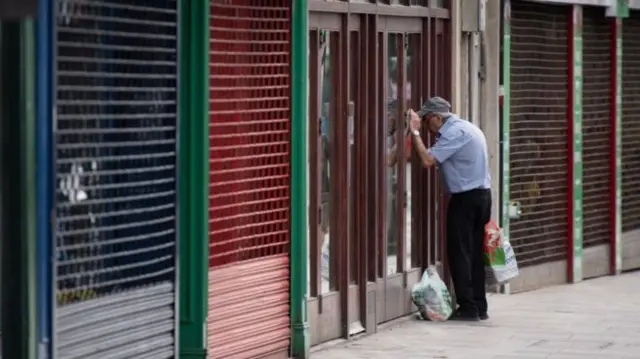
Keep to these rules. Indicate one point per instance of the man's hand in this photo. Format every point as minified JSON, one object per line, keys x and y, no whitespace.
{"x":414,"y":121}
{"x":416,"y":124}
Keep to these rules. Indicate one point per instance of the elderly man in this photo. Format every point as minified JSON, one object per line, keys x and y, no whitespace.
{"x":460,"y":152}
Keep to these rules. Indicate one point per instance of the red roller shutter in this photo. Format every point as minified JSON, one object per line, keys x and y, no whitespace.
{"x":249,"y":199}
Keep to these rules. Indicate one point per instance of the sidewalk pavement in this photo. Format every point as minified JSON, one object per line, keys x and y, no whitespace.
{"x":595,"y":319}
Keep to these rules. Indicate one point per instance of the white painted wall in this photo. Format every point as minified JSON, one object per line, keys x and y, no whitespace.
{"x":489,"y":99}
{"x":476,"y":98}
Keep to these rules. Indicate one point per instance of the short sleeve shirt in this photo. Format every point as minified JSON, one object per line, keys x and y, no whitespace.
{"x":461,"y":152}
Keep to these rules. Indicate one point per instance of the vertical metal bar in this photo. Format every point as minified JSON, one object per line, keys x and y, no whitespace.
{"x":446,"y":60}
{"x":372,"y":119}
{"x":613,"y":142}
{"x":430,"y":195}
{"x":401,"y":81}
{"x":436,"y":30}
{"x":355,"y":161}
{"x":375,"y":145}
{"x":342,"y":142}
{"x":431,"y":78}
{"x":193,"y":179}
{"x":53,"y":258}
{"x":425,"y":176}
{"x":362,"y":132}
{"x":28,"y":156}
{"x":383,"y":47}
{"x":44,"y":185}
{"x":417,"y":185}
{"x":575,"y":146}
{"x":417,"y":205}
{"x":334,"y":165}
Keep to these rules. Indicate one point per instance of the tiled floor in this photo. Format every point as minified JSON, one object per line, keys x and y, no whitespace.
{"x":596,"y":319}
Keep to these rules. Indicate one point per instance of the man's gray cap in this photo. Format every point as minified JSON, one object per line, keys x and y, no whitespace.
{"x":436,"y":105}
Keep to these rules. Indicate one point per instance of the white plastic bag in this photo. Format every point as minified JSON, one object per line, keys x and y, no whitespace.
{"x":431,"y":296}
{"x":499,"y":257}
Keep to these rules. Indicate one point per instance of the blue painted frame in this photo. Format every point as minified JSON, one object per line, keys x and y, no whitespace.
{"x":44,"y":183}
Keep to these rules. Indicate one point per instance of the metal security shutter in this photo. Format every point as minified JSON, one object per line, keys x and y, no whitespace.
{"x":249,"y":201}
{"x":538,"y":134}
{"x":631,"y":123}
{"x":115,"y":211}
{"x":596,"y":127}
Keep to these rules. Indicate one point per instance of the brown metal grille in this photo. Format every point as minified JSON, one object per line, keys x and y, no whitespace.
{"x":538,"y":134}
{"x":249,"y":130}
{"x":631,"y":123}
{"x":596,"y":126}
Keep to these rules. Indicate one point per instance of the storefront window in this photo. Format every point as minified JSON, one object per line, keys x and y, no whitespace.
{"x":326,"y":141}
{"x":393,"y":151}
{"x":407,"y":188}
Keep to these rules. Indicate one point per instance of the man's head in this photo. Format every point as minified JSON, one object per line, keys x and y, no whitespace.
{"x":435,"y":112}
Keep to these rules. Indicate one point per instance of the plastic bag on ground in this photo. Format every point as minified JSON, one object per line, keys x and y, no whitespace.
{"x":431,"y":296}
{"x":499,"y":257}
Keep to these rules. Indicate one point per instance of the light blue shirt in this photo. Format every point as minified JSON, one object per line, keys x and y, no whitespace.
{"x":461,"y":152}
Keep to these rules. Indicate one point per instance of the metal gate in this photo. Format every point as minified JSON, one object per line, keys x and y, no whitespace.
{"x":115,"y":172}
{"x":249,"y":201}
{"x":538,"y":133}
{"x":631,"y":124}
{"x":596,"y":127}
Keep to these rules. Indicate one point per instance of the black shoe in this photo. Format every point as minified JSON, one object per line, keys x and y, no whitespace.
{"x":484,"y":316}
{"x":464,"y":317}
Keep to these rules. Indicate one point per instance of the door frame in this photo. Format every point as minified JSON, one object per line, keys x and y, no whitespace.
{"x":370,"y":296}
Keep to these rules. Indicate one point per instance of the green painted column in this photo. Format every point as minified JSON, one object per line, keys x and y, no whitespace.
{"x":575,"y":156}
{"x":622,"y":8}
{"x":193,"y":177}
{"x":300,"y":340}
{"x":506,"y":109}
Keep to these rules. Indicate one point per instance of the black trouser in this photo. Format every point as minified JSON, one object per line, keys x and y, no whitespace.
{"x":467,"y":215}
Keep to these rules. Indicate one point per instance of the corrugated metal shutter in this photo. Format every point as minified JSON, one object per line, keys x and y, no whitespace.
{"x":596,"y":127}
{"x":631,"y":123}
{"x":115,"y":211}
{"x":538,"y":135}
{"x":249,"y":201}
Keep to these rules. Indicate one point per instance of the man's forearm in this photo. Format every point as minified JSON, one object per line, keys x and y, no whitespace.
{"x":426,"y":159}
